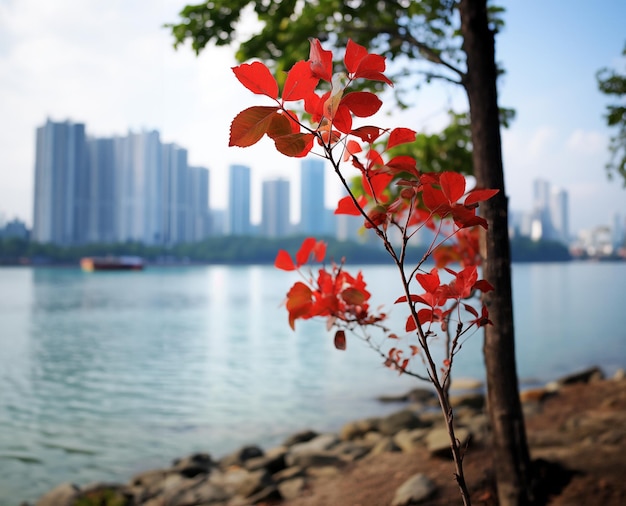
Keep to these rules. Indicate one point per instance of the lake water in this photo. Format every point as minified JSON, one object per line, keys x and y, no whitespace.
{"x":106,"y":374}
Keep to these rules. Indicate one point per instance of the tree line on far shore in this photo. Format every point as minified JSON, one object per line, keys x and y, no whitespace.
{"x":240,"y":250}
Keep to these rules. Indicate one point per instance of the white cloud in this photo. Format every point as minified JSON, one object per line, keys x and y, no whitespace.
{"x":542,"y":141}
{"x":587,"y":142}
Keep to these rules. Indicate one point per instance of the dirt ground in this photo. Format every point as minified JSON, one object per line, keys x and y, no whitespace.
{"x":577,"y":439}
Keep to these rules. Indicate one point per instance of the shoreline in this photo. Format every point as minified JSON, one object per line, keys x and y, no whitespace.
{"x":286,"y":472}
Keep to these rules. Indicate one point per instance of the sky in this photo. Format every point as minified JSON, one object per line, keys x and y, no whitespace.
{"x":111,"y":65}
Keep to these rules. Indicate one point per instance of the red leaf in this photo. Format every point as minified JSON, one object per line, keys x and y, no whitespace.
{"x":346,"y":206}
{"x":303,"y":254}
{"x":299,"y":302}
{"x":354,"y":55}
{"x":300,"y":82}
{"x":403,"y":163}
{"x":257,"y":78}
{"x":476,"y":196}
{"x":342,"y":119}
{"x":354,"y":296}
{"x":280,"y":125}
{"x":360,"y":63}
{"x":425,"y":316}
{"x":452,"y":185}
{"x":284,"y":262}
{"x":319,"y":250}
{"x":340,"y":340}
{"x":483,"y":285}
{"x":321,"y":61}
{"x":295,"y":145}
{"x":400,"y":136}
{"x":414,"y":298}
{"x":470,"y":309}
{"x":410,"y":324}
{"x":362,"y":103}
{"x":430,"y":282}
{"x":250,"y":125}
{"x":367,"y":134}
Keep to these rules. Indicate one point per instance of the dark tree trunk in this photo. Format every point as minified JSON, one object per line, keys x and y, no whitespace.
{"x":511,"y":457}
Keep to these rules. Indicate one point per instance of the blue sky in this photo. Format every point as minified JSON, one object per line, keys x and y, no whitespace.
{"x":111,"y":65}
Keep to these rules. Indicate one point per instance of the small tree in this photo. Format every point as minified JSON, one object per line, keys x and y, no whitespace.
{"x":395,"y":196}
{"x":613,"y":84}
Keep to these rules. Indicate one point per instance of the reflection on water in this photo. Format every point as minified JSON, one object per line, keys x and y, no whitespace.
{"x":104,"y":374}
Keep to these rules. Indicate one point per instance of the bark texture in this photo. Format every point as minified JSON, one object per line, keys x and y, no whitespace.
{"x":511,"y":456}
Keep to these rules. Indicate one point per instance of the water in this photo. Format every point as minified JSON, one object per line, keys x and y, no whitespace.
{"x":106,"y":374}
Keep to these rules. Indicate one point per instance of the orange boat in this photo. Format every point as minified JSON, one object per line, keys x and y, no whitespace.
{"x":111,"y":263}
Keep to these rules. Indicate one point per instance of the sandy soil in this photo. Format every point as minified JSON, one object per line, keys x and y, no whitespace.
{"x":579,"y":434}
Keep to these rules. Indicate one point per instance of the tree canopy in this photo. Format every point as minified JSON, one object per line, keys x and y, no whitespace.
{"x":401,"y":30}
{"x":613,"y":84}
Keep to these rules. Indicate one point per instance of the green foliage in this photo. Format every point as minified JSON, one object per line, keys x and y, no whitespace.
{"x":217,"y":250}
{"x":524,"y":249}
{"x":401,"y":30}
{"x":613,"y":84}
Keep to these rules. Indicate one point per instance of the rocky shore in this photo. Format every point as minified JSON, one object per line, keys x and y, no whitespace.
{"x":399,"y":459}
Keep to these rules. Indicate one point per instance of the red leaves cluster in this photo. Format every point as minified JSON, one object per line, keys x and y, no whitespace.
{"x":331,"y":112}
{"x":462,"y":286}
{"x":394,"y":192}
{"x":335,"y":295}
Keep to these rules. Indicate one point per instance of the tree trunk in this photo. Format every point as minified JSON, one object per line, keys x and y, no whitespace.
{"x":511,"y":457}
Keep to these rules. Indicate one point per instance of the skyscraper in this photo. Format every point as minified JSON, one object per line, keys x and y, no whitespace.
{"x":275,"y":208}
{"x":238,"y":201}
{"x":101,"y":193}
{"x":199,"y":219}
{"x":60,"y":174}
{"x":312,"y":213}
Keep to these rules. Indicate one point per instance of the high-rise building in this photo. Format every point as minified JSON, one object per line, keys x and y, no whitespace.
{"x":312,"y":213}
{"x":101,"y":192}
{"x":275,"y":208}
{"x":559,"y":212}
{"x":119,"y":189}
{"x":174,"y":196}
{"x":238,"y":216}
{"x":60,"y":176}
{"x":199,"y":220}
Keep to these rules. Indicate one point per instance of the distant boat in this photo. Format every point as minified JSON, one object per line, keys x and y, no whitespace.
{"x":111,"y":263}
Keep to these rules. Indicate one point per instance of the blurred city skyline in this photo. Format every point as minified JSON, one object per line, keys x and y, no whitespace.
{"x":64,"y":60}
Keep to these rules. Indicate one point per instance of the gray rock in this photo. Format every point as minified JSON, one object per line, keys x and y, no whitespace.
{"x":314,"y":459}
{"x":288,"y":474}
{"x":584,"y":376}
{"x":472,"y":400}
{"x":438,"y":441}
{"x":239,"y":457}
{"x":273,"y":461}
{"x":466,"y":384}
{"x":316,"y":445}
{"x":241,"y":482}
{"x":409,"y":440}
{"x":291,"y":489}
{"x":405,"y":419}
{"x":194,"y":464}
{"x":386,"y":444}
{"x":416,"y":489}
{"x":62,"y":495}
{"x":349,"y":451}
{"x":358,"y":428}
{"x":619,"y":375}
{"x":300,"y":437}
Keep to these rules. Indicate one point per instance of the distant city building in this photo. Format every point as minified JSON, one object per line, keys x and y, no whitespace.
{"x":14,"y":229}
{"x":119,"y":189}
{"x":312,"y":210}
{"x":550,"y":213}
{"x":238,"y":215}
{"x":275,"y":208}
{"x":60,"y":163}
